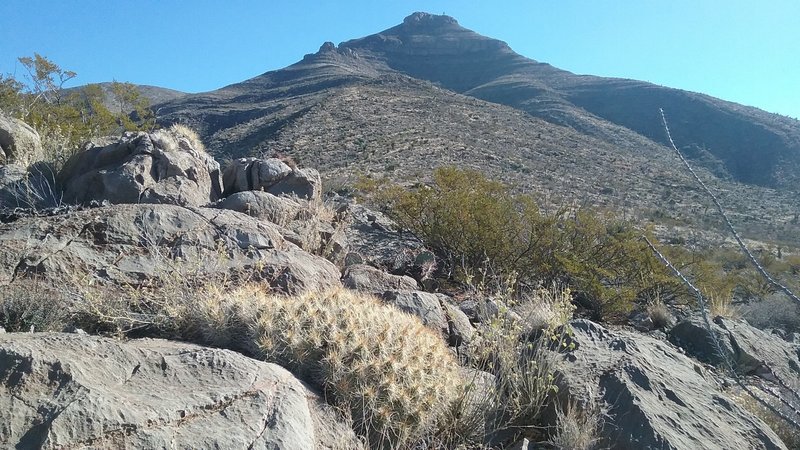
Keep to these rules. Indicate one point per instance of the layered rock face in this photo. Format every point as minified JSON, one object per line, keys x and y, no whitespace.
{"x":136,"y":243}
{"x":76,"y":391}
{"x":656,"y":397}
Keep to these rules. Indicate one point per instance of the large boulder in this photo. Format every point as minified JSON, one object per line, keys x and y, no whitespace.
{"x":376,"y":240}
{"x":750,"y":350}
{"x":133,"y":244}
{"x":253,"y":174}
{"x":656,"y":397}
{"x":262,"y":205}
{"x":166,"y":166}
{"x":19,"y":143}
{"x":302,"y":183}
{"x":765,"y":360}
{"x":77,"y":391}
{"x":272,"y":175}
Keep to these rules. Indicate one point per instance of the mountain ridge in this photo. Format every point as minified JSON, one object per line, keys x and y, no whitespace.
{"x":375,"y":105}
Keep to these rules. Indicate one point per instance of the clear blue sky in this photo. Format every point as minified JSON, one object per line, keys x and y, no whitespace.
{"x":745,"y":51}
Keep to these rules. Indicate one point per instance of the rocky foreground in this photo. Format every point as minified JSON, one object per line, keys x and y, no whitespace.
{"x":139,"y":210}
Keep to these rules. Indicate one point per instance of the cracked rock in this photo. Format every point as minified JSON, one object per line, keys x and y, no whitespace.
{"x":126,"y":244}
{"x":654,"y":396}
{"x":71,"y":391}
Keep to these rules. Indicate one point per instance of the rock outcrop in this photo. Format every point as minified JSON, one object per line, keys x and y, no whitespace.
{"x":656,"y":397}
{"x":262,"y":205}
{"x":76,"y":391}
{"x":253,"y":174}
{"x":141,"y":243}
{"x":19,"y":143}
{"x":272,"y":175}
{"x":166,"y":166}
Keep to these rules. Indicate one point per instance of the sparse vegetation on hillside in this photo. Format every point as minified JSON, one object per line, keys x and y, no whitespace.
{"x":469,"y":220}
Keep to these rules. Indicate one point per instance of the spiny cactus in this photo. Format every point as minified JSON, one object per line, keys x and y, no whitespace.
{"x":182,"y":131}
{"x":392,"y":374}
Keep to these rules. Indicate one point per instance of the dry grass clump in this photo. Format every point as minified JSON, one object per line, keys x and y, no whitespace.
{"x":722,"y":305}
{"x":320,"y":228}
{"x":182,"y":131}
{"x":789,"y":434}
{"x":513,"y":369}
{"x":33,"y":305}
{"x":391,"y":373}
{"x":545,"y":310}
{"x":577,"y":428}
{"x":659,"y":314}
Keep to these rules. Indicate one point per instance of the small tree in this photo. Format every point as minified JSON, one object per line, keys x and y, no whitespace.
{"x":65,"y":120}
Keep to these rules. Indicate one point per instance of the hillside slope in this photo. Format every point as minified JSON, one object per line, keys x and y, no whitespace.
{"x":753,"y":146}
{"x":429,"y":93}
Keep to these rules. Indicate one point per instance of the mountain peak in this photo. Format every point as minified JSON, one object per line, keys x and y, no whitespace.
{"x":427,"y":20}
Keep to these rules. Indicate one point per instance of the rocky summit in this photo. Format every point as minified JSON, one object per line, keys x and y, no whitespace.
{"x":279,"y":265}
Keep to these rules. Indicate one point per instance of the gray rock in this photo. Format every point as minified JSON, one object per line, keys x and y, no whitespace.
{"x":376,"y":238}
{"x":263,"y":205}
{"x":692,"y":336}
{"x":129,"y":244}
{"x":160,"y":167}
{"x":19,"y":142}
{"x":364,"y":278}
{"x":766,"y":360}
{"x":424,"y":305}
{"x":72,"y":391}
{"x":253,"y":174}
{"x":656,"y":397}
{"x":302,"y":183}
{"x":760,"y":353}
{"x":352,"y":259}
{"x":460,"y":330}
{"x":641,"y":321}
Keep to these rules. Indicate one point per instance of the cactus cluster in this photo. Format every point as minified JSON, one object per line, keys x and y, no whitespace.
{"x":390,"y":372}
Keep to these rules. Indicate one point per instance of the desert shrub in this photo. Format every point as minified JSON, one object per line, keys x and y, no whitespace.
{"x":512,"y":368}
{"x":65,"y":120}
{"x":393,"y":375}
{"x":774,"y":311}
{"x":34,"y":305}
{"x":468,"y":219}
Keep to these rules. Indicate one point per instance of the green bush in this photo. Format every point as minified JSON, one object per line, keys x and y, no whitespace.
{"x":65,"y":120}
{"x":471,"y":221}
